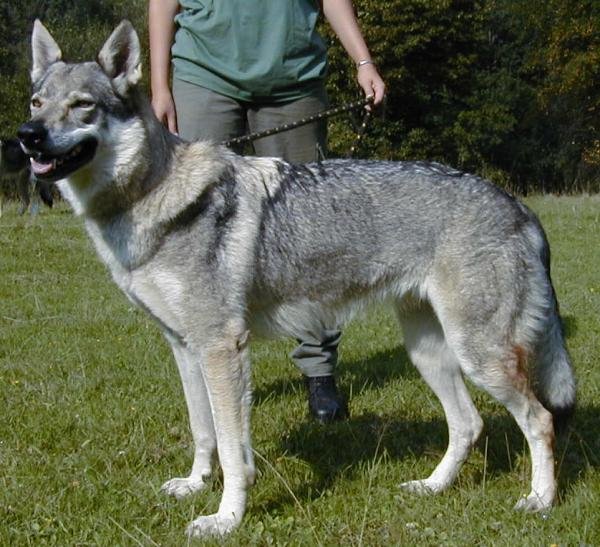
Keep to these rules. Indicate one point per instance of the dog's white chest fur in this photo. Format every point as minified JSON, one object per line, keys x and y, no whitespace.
{"x":156,"y":291}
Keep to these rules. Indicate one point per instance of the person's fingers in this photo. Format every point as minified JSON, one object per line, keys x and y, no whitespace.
{"x":172,"y":121}
{"x":378,"y":92}
{"x":165,"y":112}
{"x":371,"y":83}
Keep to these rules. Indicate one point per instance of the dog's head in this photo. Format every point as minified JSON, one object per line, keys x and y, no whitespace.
{"x":75,"y":106}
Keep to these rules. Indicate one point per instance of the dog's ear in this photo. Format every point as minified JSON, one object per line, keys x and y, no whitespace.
{"x":44,"y":50}
{"x":120,"y":58}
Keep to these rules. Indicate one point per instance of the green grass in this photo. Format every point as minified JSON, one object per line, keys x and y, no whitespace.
{"x":93,"y":418}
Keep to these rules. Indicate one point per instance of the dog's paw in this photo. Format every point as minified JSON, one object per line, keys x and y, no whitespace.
{"x":423,"y":487}
{"x":183,"y":487}
{"x":533,"y":504}
{"x":212,"y":525}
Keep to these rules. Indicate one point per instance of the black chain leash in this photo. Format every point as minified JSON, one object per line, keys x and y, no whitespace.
{"x":361,"y":131}
{"x":354,"y":105}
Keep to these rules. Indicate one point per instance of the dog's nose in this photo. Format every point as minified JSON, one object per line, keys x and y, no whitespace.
{"x":32,"y":134}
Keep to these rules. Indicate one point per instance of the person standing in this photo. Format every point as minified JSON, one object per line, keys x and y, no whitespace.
{"x":243,"y":66}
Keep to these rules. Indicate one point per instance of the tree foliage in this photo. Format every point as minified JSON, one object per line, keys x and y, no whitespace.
{"x":568,"y":55}
{"x":425,"y":50}
{"x":80,"y":27}
{"x":504,"y":88}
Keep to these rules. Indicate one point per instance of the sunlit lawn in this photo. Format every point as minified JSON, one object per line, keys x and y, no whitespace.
{"x":93,"y":418}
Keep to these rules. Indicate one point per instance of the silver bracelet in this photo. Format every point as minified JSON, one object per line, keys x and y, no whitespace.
{"x":364,"y":62}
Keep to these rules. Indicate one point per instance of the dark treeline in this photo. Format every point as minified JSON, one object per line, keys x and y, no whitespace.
{"x":508,"y":89}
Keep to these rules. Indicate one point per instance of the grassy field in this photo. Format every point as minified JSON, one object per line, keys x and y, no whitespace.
{"x":93,"y":418}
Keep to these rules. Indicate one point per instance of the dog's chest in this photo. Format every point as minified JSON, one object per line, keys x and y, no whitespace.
{"x":154,"y":289}
{"x":158,"y":294}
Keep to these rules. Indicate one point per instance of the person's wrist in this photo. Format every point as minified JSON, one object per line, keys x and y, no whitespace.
{"x":159,"y":83}
{"x":162,"y":91}
{"x":364,"y":62}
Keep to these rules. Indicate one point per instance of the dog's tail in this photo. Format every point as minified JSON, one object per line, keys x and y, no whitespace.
{"x":554,"y":380}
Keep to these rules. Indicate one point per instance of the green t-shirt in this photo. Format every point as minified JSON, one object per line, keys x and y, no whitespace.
{"x":251,"y":50}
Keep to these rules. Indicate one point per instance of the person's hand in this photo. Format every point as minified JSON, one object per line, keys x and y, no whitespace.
{"x":371,"y":83}
{"x":164,"y":110}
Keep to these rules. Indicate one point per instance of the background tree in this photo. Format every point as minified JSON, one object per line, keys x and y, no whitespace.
{"x":427,"y":51}
{"x":505,"y":88}
{"x":80,"y":27}
{"x":508,"y":89}
{"x":567,"y":53}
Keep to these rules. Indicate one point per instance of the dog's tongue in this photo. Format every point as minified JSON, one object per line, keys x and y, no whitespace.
{"x":40,"y":168}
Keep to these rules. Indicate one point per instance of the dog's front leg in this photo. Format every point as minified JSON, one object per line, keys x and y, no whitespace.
{"x":226,"y":373}
{"x":201,"y":422}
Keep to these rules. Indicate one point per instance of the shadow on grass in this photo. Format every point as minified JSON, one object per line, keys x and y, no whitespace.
{"x":336,"y":449}
{"x":570,"y":325}
{"x":578,"y":448}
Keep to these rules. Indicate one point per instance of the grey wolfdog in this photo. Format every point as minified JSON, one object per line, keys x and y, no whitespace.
{"x":215,"y":246}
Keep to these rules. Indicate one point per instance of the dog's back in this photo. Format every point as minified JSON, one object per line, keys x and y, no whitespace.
{"x":344,"y":225}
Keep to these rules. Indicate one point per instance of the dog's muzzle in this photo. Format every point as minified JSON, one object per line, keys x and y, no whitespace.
{"x":32,"y":135}
{"x":48,"y":163}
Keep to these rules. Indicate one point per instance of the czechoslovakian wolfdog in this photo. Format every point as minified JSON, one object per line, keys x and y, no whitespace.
{"x":215,"y":246}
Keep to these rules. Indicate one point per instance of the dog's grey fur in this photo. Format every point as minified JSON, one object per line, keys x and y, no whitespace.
{"x":214,"y":246}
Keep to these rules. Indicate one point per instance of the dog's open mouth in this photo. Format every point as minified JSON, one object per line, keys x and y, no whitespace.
{"x":51,"y":168}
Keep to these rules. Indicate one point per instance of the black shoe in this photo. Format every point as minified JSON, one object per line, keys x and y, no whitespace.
{"x":324,"y":402}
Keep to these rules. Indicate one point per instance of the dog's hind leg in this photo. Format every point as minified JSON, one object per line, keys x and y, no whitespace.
{"x":426,"y":345}
{"x":505,"y":377}
{"x":201,"y":423}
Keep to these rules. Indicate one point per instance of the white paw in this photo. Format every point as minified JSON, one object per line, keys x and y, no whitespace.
{"x":182,"y":487}
{"x":212,"y":525}
{"x":423,"y":487}
{"x":533,"y":504}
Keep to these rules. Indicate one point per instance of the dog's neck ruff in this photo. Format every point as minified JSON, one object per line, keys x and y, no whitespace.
{"x":98,"y":186}
{"x":131,"y":200}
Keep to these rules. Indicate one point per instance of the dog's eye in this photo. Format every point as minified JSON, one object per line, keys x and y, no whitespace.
{"x":36,"y":103}
{"x":83,"y":104}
